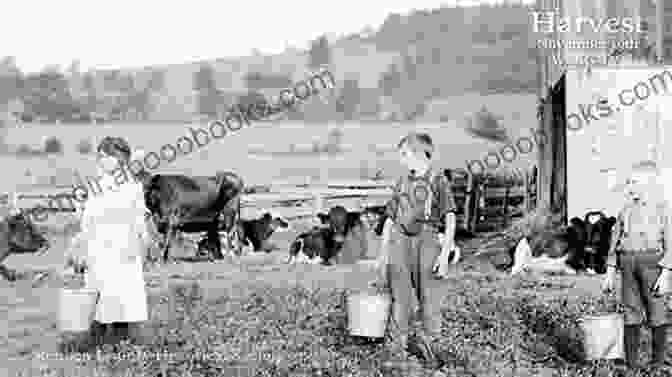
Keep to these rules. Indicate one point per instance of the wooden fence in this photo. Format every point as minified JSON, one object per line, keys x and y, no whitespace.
{"x":484,"y":203}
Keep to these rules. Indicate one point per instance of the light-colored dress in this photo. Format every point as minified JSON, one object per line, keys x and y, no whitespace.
{"x":111,"y":224}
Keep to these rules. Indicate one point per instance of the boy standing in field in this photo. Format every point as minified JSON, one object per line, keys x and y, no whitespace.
{"x":640,"y":249}
{"x":422,"y":204}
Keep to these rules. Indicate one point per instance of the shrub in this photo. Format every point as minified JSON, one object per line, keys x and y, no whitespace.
{"x":84,"y":146}
{"x":53,"y":145}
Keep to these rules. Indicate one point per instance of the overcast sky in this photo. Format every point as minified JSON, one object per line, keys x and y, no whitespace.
{"x":135,"y":33}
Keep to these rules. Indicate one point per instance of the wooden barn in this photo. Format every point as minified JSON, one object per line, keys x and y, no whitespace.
{"x":552,"y":180}
{"x":582,"y":170}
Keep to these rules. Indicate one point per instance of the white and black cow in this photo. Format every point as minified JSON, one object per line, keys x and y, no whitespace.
{"x":342,"y":239}
{"x":582,"y":246}
{"x":256,"y":232}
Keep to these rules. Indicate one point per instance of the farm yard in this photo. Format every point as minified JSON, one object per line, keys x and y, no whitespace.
{"x":260,"y":317}
{"x":257,"y":316}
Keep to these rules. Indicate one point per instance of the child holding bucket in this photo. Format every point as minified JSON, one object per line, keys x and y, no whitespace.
{"x":112,"y":239}
{"x":640,"y":250}
{"x":422,"y":203}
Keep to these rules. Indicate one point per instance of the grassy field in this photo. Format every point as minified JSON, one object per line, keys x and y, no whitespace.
{"x":260,"y":317}
{"x":369,"y":146}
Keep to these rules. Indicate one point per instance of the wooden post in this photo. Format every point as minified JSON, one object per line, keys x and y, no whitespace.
{"x":660,"y":30}
{"x":526,"y":192}
{"x":318,"y":203}
{"x":506,"y":204}
{"x":478,"y":192}
{"x":468,"y":202}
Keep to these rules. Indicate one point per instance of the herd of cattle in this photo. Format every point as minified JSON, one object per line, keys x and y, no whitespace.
{"x":211,"y":205}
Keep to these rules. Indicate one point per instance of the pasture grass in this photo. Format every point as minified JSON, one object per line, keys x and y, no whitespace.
{"x":493,"y":325}
{"x":262,"y":318}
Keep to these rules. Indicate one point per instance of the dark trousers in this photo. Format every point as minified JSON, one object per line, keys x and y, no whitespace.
{"x":640,"y":272}
{"x":410,"y":276}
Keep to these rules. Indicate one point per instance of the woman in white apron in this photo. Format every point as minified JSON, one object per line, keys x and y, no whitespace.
{"x":112,"y":229}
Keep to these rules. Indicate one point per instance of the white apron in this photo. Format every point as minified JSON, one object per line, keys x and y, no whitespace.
{"x":111,"y":223}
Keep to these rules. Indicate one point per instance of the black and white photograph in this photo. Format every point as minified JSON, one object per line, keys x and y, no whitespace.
{"x":432,"y":188}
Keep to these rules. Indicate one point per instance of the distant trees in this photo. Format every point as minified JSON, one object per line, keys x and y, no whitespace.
{"x":157,"y":80}
{"x":11,"y":80}
{"x":319,"y":53}
{"x":258,"y":80}
{"x":441,"y":52}
{"x":47,"y":95}
{"x":348,"y":101}
{"x":206,"y":88}
{"x":390,"y":81}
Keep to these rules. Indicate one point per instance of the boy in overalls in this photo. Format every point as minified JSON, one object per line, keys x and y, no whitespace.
{"x":640,"y":245}
{"x":422,"y":203}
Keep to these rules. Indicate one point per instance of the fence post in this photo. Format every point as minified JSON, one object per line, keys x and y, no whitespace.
{"x":526,"y":192}
{"x":468,"y":202}
{"x":476,"y":203}
{"x":506,"y":204}
{"x":318,"y":203}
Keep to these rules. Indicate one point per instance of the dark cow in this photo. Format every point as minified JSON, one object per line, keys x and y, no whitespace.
{"x":194,"y":204}
{"x":257,"y":231}
{"x":342,"y":239}
{"x":583,"y":245}
{"x":19,"y":235}
{"x":597,"y":234}
{"x":316,"y":246}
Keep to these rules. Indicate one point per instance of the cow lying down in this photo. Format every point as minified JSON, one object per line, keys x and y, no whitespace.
{"x":342,"y":239}
{"x":256,"y":232}
{"x":582,"y":246}
{"x":524,"y":261}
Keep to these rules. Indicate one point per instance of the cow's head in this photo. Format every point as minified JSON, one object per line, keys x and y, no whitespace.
{"x":339,"y":222}
{"x":22,"y":235}
{"x":598,"y":231}
{"x":258,"y":231}
{"x":273,"y":223}
{"x":232,"y":186}
{"x":576,"y":234}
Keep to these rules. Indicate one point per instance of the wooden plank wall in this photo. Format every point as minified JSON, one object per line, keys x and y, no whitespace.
{"x":484,"y":202}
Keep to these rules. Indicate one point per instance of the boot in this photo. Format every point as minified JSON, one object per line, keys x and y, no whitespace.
{"x":631,"y":339}
{"x":659,"y":345}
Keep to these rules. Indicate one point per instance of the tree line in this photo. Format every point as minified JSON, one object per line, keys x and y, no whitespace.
{"x":442,"y":52}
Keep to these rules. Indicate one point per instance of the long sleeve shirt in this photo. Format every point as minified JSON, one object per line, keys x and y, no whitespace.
{"x":643,"y":226}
